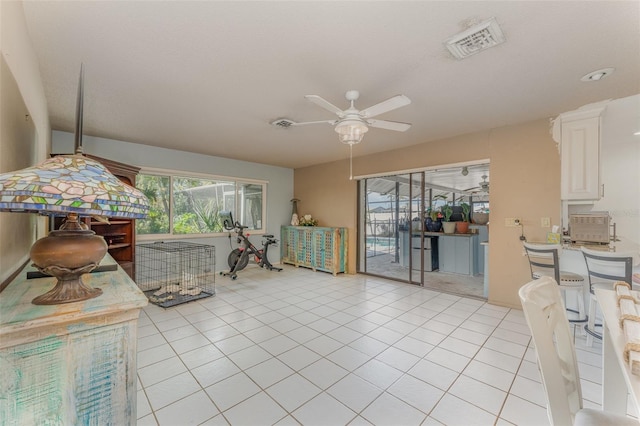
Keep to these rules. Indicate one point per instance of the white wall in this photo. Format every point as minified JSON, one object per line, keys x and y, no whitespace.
{"x":23,"y":142}
{"x":279,"y":187}
{"x":18,"y":52}
{"x":619,"y":168}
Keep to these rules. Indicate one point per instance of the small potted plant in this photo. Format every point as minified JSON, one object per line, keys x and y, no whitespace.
{"x":448,"y":226}
{"x":308,"y":220}
{"x":463,"y":227}
{"x":481,"y":217}
{"x":434,"y":220}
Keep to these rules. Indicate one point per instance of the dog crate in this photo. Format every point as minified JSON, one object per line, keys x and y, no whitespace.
{"x":174,"y":272}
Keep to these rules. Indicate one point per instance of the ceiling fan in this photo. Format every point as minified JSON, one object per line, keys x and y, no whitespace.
{"x":352,"y":124}
{"x":484,"y":185}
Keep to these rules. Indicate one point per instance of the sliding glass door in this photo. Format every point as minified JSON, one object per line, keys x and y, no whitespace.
{"x":392,"y":217}
{"x":390,"y":210}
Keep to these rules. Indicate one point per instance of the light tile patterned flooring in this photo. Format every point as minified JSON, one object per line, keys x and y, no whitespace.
{"x":304,"y":347}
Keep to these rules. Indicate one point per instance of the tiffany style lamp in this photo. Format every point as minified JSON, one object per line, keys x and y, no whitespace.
{"x":73,"y":185}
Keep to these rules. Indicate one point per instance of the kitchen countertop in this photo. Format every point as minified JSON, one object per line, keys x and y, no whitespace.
{"x":441,"y":234}
{"x":622,"y":247}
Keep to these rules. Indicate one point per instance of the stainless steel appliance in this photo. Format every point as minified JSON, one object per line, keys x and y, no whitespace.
{"x":590,"y":227}
{"x":429,"y":253}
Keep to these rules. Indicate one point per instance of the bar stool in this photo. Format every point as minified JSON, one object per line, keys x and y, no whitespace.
{"x":604,"y":268}
{"x":556,"y":354}
{"x":544,"y":262}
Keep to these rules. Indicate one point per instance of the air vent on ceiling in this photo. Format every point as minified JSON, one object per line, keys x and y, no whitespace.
{"x":475,"y":39}
{"x":283,"y":122}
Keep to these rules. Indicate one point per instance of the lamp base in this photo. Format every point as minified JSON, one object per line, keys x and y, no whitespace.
{"x":69,"y":287}
{"x":67,"y":255}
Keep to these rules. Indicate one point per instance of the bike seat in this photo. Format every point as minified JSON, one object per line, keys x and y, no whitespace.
{"x":267,"y":236}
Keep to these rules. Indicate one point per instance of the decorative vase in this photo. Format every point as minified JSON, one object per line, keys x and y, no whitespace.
{"x":480,"y":218}
{"x":462,"y":227}
{"x":449,"y":227}
{"x":433,"y":225}
{"x":67,"y":255}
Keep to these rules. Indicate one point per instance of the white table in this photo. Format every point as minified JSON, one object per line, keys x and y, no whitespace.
{"x":617,"y":380}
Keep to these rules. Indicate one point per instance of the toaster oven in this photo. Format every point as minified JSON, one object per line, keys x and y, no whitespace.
{"x":589,"y":227}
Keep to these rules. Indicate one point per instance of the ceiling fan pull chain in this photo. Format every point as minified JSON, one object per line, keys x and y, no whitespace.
{"x":350,"y":161}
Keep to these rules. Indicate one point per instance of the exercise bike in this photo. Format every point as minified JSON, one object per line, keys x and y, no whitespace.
{"x":239,"y":258}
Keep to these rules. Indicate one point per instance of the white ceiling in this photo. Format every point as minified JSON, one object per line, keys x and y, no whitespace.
{"x":209,"y":76}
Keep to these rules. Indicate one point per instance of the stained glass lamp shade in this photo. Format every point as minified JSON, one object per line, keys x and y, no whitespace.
{"x":73,"y":185}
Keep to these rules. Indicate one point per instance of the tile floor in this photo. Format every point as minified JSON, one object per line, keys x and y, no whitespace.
{"x":467,"y":285}
{"x":303,"y":347}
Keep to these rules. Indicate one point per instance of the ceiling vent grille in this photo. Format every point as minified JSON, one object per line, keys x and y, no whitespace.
{"x":283,"y":122}
{"x":475,"y":39}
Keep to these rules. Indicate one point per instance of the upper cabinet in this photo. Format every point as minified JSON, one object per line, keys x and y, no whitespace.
{"x":120,"y":234}
{"x":578,"y":135}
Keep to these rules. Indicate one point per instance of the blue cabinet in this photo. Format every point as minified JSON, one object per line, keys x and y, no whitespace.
{"x":315,"y":247}
{"x":457,"y":253}
{"x":483,"y":236}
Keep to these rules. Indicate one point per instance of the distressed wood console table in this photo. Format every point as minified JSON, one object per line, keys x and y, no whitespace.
{"x":73,"y":363}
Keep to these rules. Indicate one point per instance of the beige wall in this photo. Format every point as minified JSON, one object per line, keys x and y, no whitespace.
{"x":23,"y":142}
{"x":525,"y":183}
{"x":326,"y":193}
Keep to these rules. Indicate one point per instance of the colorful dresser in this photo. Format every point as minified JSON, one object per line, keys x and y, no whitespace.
{"x":315,"y":247}
{"x":73,"y":363}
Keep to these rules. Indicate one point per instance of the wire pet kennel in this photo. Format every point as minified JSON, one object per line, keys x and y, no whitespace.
{"x":175,"y":272}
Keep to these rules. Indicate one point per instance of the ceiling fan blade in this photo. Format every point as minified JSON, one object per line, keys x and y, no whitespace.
{"x":389,"y":125}
{"x":384,"y":106}
{"x":304,"y":123}
{"x":323,"y":103}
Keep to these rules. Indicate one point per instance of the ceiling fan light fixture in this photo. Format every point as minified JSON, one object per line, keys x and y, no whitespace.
{"x":351,"y":132}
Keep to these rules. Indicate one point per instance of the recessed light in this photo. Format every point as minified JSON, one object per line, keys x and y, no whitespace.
{"x":598,"y":74}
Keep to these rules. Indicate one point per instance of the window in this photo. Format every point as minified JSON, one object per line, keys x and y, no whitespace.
{"x":190,"y":205}
{"x":480,"y":206}
{"x":156,"y":188}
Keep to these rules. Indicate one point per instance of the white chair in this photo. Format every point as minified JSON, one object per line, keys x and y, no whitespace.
{"x":604,"y":268}
{"x":547,"y":319}
{"x":544,"y":262}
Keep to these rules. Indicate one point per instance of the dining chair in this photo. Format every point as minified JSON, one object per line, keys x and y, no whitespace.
{"x":544,"y":262}
{"x":604,"y":268}
{"x":547,"y":320}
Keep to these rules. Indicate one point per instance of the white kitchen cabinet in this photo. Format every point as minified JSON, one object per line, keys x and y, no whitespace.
{"x":580,"y":155}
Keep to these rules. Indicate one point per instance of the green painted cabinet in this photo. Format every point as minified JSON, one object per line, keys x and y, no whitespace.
{"x":315,"y":247}
{"x":69,"y":364}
